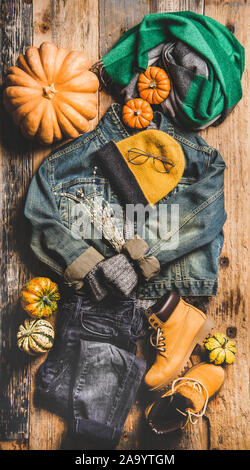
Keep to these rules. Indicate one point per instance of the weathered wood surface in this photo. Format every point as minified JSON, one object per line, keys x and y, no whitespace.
{"x":228,"y":413}
{"x":16,"y":170}
{"x":95,"y":25}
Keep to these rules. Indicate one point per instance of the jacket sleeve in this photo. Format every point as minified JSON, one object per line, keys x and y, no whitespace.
{"x":201,"y":215}
{"x":51,"y":241}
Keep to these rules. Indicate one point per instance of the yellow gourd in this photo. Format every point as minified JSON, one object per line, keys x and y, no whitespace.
{"x":221,"y":350}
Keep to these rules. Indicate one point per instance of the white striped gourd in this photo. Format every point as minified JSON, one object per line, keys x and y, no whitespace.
{"x":35,"y":336}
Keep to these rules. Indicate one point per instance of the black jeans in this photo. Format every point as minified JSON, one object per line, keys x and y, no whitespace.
{"x":92,"y":373}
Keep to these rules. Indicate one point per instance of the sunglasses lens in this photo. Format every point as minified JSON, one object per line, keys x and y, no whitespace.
{"x":160,"y":166}
{"x":137,"y":158}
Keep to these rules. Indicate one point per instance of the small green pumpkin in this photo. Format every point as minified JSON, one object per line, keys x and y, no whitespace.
{"x":35,"y":336}
{"x":221,"y":350}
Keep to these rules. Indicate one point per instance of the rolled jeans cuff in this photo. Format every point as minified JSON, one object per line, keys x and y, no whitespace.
{"x":111,"y":388}
{"x":102,"y":435}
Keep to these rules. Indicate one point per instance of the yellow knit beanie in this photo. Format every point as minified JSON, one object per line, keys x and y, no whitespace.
{"x":143,"y":168}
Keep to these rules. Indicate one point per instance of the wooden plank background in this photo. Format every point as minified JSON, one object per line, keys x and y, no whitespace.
{"x":94,"y":26}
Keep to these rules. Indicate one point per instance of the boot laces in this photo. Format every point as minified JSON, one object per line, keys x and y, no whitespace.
{"x":199,"y":386}
{"x":157,"y":339}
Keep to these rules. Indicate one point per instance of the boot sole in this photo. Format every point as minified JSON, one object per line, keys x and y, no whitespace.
{"x":201,"y":335}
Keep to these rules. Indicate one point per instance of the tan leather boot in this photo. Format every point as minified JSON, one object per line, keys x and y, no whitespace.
{"x":187,"y":400}
{"x":178,"y":327}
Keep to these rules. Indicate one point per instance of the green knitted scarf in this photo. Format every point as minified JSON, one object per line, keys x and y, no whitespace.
{"x":224,"y":55}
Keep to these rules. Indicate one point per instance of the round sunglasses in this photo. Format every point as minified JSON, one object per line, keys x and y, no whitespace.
{"x":139,"y":157}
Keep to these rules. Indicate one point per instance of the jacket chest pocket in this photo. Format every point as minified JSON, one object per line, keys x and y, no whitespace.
{"x":184,"y":184}
{"x":76,"y":204}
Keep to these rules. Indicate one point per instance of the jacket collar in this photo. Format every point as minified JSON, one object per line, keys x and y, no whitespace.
{"x":161,"y":121}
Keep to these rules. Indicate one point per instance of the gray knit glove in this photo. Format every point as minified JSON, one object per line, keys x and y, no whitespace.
{"x":96,"y":283}
{"x":115,"y":276}
{"x":119,"y":275}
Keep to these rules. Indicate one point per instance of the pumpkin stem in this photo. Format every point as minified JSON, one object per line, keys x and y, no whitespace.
{"x":46,"y":300}
{"x":153,"y":84}
{"x":137,"y":112}
{"x":49,"y":91}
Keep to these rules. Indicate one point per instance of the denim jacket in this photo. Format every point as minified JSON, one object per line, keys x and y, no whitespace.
{"x":69,"y":173}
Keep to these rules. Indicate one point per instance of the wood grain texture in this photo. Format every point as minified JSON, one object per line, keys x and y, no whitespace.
{"x":228,"y":413}
{"x":16,"y":168}
{"x":160,"y":6}
{"x":116,"y":17}
{"x":95,"y":26}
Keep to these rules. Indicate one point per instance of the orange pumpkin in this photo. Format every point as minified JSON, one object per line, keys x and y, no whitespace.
{"x":51,"y":93}
{"x":137,"y":113}
{"x":39,"y":297}
{"x":154,"y":85}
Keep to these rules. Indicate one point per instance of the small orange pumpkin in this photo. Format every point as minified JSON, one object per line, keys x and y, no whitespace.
{"x":51,"y":94}
{"x":154,"y":85}
{"x":137,"y":113}
{"x":39,"y":297}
